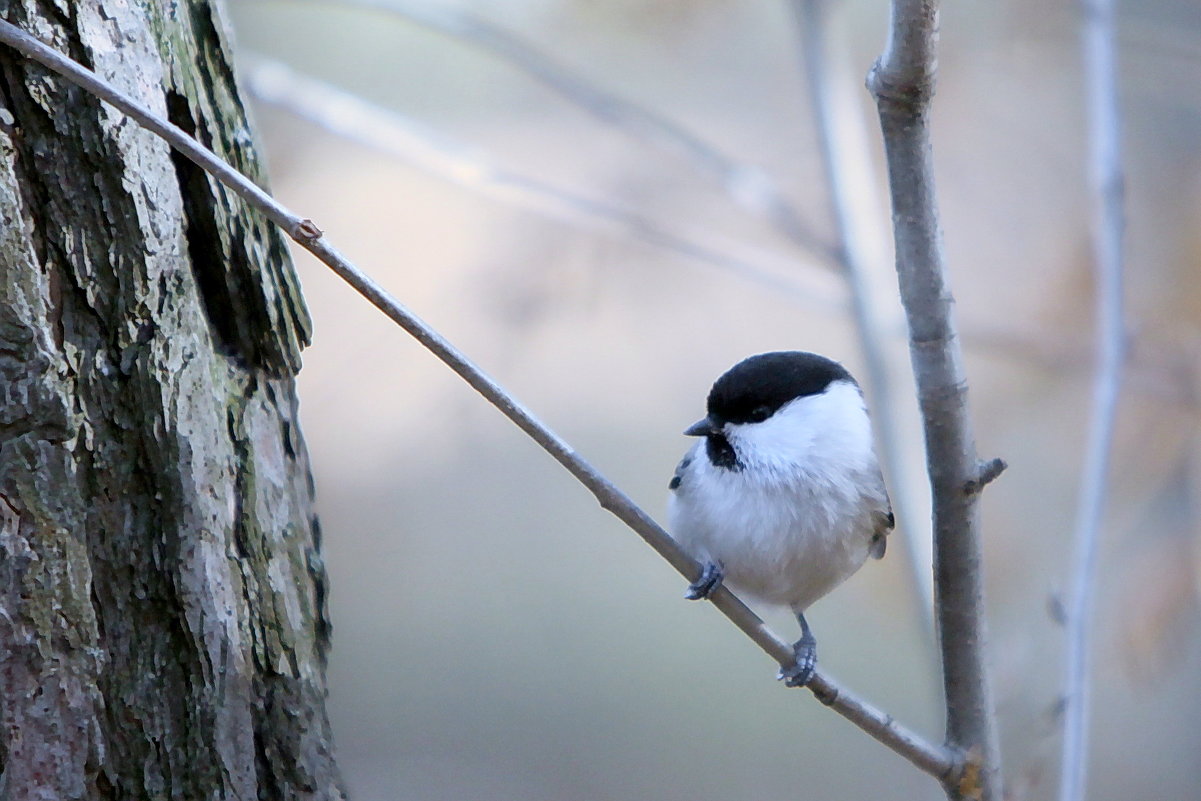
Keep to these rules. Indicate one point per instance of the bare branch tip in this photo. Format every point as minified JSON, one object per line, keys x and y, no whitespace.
{"x":986,"y":473}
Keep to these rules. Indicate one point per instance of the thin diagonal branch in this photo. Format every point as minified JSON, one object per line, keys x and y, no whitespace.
{"x":811,"y":17}
{"x":902,"y":81}
{"x":361,"y":121}
{"x":1108,"y":230}
{"x":936,"y":760}
{"x":747,"y":185}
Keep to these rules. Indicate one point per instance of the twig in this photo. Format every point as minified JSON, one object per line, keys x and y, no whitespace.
{"x":1108,"y":230}
{"x":746,"y":184}
{"x":811,"y":21}
{"x":936,"y":760}
{"x":361,"y":121}
{"x":902,"y":81}
{"x":986,"y":473}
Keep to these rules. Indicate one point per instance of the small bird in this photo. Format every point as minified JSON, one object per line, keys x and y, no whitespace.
{"x":783,"y":496}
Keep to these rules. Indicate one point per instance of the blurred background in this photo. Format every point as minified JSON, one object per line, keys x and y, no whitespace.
{"x":608,"y":204}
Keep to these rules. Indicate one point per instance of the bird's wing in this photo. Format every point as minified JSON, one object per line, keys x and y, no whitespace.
{"x":884,"y":521}
{"x":674,"y":484}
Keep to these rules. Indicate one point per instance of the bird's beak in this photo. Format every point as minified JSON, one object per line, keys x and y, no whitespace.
{"x":703,"y":428}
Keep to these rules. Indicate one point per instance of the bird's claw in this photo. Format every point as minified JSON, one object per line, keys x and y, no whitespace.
{"x":709,"y":580}
{"x":801,"y":671}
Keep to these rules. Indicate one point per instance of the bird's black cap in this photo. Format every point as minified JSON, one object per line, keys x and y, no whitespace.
{"x":753,"y":389}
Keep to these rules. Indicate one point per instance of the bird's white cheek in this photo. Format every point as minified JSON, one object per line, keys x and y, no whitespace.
{"x":825,"y":434}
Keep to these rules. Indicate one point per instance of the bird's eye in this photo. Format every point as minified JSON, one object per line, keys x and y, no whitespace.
{"x":760,"y":414}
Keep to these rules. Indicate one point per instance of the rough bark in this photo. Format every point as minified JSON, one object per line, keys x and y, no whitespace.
{"x":163,"y":629}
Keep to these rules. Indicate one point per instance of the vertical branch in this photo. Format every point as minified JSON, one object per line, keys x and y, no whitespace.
{"x":851,"y":257}
{"x":1105,"y":175}
{"x":902,"y":82}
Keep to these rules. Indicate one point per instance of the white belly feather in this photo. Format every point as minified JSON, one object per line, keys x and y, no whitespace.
{"x":795,"y":524}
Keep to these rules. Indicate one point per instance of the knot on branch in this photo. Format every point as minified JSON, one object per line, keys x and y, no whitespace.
{"x":967,"y":777}
{"x":986,"y":472}
{"x":910,"y":94}
{"x":307,"y":231}
{"x":823,"y":692}
{"x":942,"y":398}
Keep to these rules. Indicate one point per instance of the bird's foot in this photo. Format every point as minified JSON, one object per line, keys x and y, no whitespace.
{"x":709,"y":580}
{"x":801,"y":671}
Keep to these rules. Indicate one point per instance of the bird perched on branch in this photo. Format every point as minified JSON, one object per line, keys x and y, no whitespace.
{"x":782,"y":497}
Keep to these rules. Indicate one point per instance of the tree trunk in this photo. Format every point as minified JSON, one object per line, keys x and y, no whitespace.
{"x":163,"y":629}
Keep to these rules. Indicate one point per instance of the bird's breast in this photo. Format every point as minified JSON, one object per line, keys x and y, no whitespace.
{"x":785,"y":542}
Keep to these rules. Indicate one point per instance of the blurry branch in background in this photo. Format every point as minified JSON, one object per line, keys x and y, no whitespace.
{"x":1164,"y":373}
{"x":749,"y":186}
{"x":1108,"y":230}
{"x":937,"y":760}
{"x":902,"y":82}
{"x":359,"y":120}
{"x":852,"y":224}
